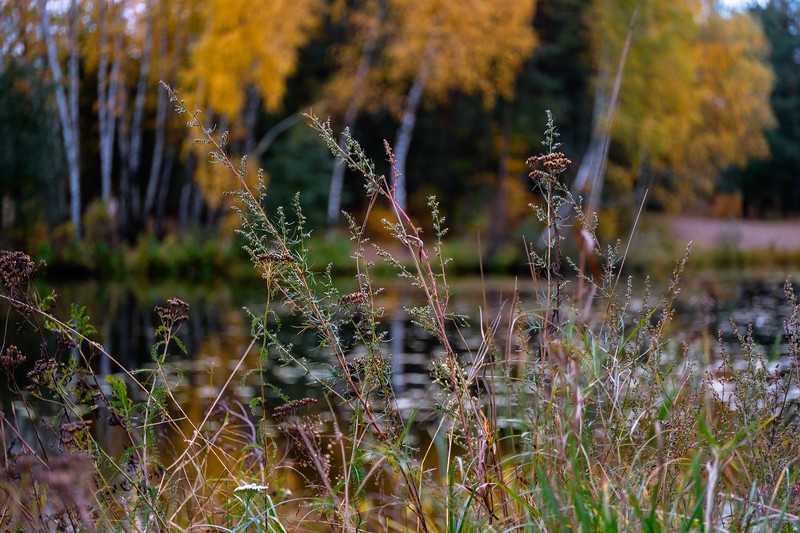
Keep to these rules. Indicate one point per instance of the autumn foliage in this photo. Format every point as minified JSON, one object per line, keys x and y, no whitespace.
{"x":678,"y":93}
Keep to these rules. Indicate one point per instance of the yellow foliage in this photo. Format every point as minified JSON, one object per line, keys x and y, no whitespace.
{"x":657,"y":106}
{"x":734,"y":85}
{"x":250,"y":42}
{"x":214,"y":180}
{"x":726,"y":205}
{"x":470,"y":46}
{"x":695,"y":92}
{"x":474,"y":46}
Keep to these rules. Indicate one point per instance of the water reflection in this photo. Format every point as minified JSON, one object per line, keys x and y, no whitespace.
{"x":218,"y":338}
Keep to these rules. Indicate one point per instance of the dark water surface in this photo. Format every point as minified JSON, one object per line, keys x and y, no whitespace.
{"x":217,"y":333}
{"x":220,"y":351}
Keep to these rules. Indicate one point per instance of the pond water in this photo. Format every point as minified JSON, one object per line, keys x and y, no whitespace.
{"x":218,"y":330}
{"x":218,"y":340}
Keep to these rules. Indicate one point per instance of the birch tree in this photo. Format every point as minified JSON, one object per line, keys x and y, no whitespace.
{"x":437,"y":47}
{"x":680,"y":91}
{"x":66,"y":100}
{"x":352,"y":85}
{"x":245,"y":44}
{"x":108,"y":81}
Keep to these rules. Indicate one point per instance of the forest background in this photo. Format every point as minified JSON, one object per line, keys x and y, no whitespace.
{"x":680,"y":105}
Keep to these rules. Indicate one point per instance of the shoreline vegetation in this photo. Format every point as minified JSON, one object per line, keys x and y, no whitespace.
{"x":210,"y":258}
{"x":575,"y":411}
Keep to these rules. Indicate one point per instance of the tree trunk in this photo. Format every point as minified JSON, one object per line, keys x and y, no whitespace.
{"x":129,"y":140}
{"x":183,"y":205}
{"x":169,"y":68}
{"x":111,"y":107}
{"x":497,"y":224}
{"x":186,"y":191}
{"x":196,"y":206}
{"x":104,"y":110}
{"x":590,"y":164}
{"x":364,"y":64}
{"x":158,"y":154}
{"x":163,"y":191}
{"x":160,"y":128}
{"x":404,"y":134}
{"x":593,"y":166}
{"x":125,"y":189}
{"x":250,"y":119}
{"x":67,"y":108}
{"x":135,"y":153}
{"x":591,"y":173}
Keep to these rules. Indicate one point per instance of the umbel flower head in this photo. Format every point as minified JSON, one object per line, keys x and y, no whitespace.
{"x":554,"y":163}
{"x":176,"y":310}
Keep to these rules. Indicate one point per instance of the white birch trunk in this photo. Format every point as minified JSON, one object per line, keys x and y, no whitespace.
{"x":593,"y":167}
{"x":404,"y":135}
{"x":160,"y":129}
{"x":107,"y":87}
{"x":163,"y":189}
{"x":135,"y":152}
{"x":272,"y":134}
{"x":158,"y":154}
{"x":166,"y":165}
{"x":102,"y":98}
{"x":123,"y":145}
{"x":364,"y":64}
{"x":67,"y":107}
{"x":591,"y":174}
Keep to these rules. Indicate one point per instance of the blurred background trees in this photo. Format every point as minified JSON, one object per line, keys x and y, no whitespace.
{"x":678,"y":97}
{"x":770,"y":185}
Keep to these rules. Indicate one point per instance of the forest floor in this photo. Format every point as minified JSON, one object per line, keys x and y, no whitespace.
{"x":743,"y":234}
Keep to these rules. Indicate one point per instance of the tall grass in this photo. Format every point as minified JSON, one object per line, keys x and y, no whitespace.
{"x":575,"y":411}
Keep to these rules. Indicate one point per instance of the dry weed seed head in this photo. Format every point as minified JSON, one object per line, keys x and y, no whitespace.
{"x":275,"y":257}
{"x":43,"y":371}
{"x":177,"y":310}
{"x":68,"y":429}
{"x":64,"y":344}
{"x":354,"y":298}
{"x":304,"y":435}
{"x":290,"y":409}
{"x":16,"y":272}
{"x":12,"y":358}
{"x":554,"y":163}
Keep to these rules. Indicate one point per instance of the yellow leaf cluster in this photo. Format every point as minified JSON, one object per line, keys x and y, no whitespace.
{"x":657,"y":104}
{"x":734,"y":85}
{"x":250,"y":42}
{"x":695,"y":92}
{"x":470,"y":46}
{"x":215,"y":179}
{"x":19,"y":22}
{"x":473,"y":46}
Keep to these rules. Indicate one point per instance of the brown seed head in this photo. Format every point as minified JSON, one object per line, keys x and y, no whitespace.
{"x":554,"y":163}
{"x":12,"y":358}
{"x":284,"y":411}
{"x":177,"y":310}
